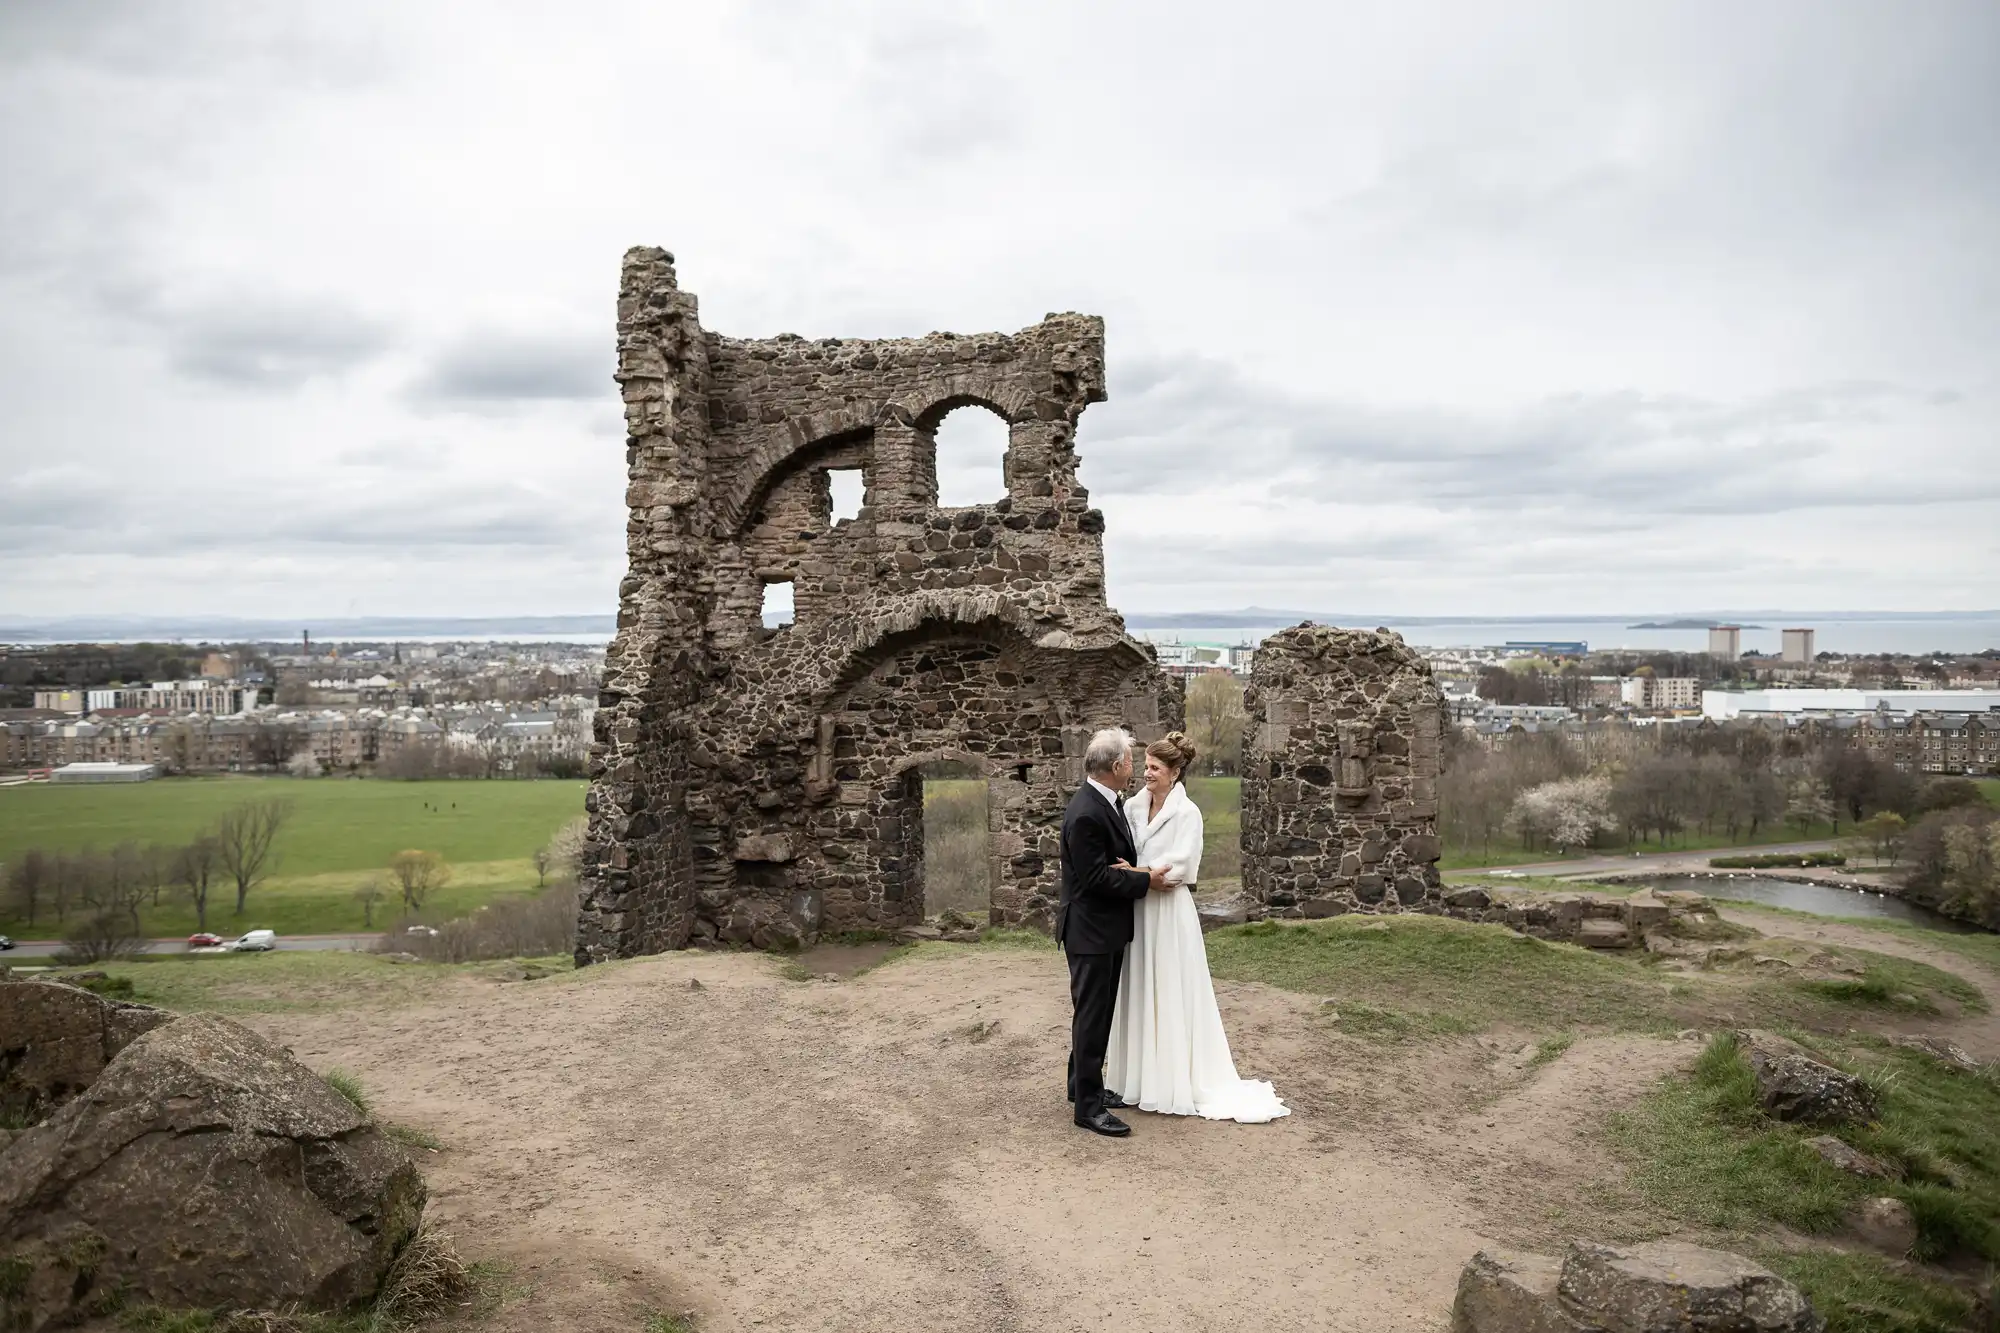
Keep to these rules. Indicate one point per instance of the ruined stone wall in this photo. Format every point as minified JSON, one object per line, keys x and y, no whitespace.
{"x":1341,"y":757}
{"x":753,"y":784}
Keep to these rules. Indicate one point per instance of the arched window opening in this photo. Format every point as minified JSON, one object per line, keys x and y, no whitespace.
{"x":971,"y":457}
{"x":850,"y":488}
{"x":777,"y":604}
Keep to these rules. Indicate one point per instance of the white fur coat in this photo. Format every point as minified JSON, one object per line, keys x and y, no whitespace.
{"x":1172,"y":839}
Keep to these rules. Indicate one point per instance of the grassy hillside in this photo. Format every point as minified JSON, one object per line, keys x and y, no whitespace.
{"x":341,"y":835}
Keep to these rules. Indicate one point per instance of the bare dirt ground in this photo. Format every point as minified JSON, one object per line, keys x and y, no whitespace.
{"x":893,"y":1152}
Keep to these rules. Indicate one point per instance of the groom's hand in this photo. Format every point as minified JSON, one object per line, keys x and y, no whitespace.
{"x":1158,"y":876}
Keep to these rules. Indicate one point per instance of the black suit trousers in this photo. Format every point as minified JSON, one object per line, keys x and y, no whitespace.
{"x":1093,"y":991}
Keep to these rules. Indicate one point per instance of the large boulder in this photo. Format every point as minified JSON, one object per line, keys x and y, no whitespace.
{"x":205,"y":1168}
{"x":1670,"y":1285}
{"x":1792,"y":1085}
{"x":1507,"y":1291}
{"x":56,"y":1039}
{"x":1661,"y":1287}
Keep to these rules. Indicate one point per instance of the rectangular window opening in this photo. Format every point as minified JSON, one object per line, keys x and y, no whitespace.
{"x":850,"y":488}
{"x":778,"y":604}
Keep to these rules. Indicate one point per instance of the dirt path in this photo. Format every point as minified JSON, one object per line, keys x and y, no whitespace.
{"x":873,"y":1155}
{"x":1979,"y":1034}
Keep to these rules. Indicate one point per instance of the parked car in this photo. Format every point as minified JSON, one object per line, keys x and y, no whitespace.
{"x":6,"y":943}
{"x":256,"y":941}
{"x":202,"y":939}
{"x":421,"y":930}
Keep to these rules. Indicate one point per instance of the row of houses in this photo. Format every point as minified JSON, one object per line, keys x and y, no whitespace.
{"x":339,"y":740}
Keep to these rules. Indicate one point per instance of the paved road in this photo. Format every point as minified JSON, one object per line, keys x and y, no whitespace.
{"x":1642,"y":863}
{"x":26,"y":949}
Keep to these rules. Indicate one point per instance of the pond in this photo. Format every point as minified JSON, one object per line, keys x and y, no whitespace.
{"x":1819,"y":899}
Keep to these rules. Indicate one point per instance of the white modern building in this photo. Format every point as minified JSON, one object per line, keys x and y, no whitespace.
{"x":1722,"y":705}
{"x":216,"y":698}
{"x":103,"y":773}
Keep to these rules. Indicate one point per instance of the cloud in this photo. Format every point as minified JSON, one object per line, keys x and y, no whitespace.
{"x":266,"y":343}
{"x":1593,"y":304}
{"x":492,"y":369}
{"x":1171,"y":422}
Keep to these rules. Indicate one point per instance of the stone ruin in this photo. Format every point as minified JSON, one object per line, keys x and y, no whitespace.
{"x":1341,"y":757}
{"x":762,"y":786}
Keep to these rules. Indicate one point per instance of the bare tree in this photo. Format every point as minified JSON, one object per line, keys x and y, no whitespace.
{"x":419,"y":873}
{"x":28,"y":883}
{"x":368,"y":895}
{"x":100,"y":937}
{"x":1215,"y":719}
{"x":196,"y":867}
{"x":246,"y":837}
{"x":543,"y":858}
{"x":126,"y":882}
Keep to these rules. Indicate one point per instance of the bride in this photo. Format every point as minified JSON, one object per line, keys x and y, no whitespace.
{"x":1168,"y":1053}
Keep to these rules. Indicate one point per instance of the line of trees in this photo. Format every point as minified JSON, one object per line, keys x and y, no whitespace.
{"x":1555,"y":791}
{"x":100,"y":893}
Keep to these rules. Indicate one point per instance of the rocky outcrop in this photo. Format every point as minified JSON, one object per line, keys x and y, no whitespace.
{"x":1660,"y":1287}
{"x":1850,"y":1159}
{"x":1593,"y":920}
{"x":1884,"y":1224}
{"x":56,"y":1039}
{"x":1792,"y":1085}
{"x":204,"y":1168}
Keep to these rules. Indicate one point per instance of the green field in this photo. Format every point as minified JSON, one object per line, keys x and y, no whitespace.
{"x":341,"y":833}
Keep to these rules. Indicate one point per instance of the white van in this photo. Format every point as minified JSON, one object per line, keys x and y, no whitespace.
{"x":255,"y":940}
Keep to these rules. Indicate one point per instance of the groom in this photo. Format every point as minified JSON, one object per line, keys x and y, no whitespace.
{"x":1094,"y":918}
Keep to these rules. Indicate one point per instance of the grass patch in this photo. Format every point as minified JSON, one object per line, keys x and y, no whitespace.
{"x":1359,"y":1019}
{"x":1706,"y":1153}
{"x":412,"y":1137}
{"x":1981,"y":947}
{"x":1443,"y":975}
{"x":1861,"y":1293}
{"x":659,"y":1321}
{"x":281,"y":982}
{"x":349,"y":1086}
{"x":1702,"y":1150}
{"x":111,"y":987}
{"x":1551,"y":1048}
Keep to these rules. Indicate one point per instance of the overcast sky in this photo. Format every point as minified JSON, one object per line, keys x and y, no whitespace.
{"x":1413,"y":308}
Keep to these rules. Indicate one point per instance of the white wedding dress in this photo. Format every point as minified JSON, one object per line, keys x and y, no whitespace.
{"x":1168,"y":1053}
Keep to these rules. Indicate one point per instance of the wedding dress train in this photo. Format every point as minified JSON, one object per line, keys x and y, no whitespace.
{"x":1168,"y":1053}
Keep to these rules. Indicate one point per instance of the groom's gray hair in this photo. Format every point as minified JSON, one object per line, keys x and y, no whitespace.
{"x":1106,"y":748}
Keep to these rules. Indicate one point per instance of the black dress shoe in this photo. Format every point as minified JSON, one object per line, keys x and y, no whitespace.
{"x":1106,"y":1124}
{"x":1113,"y":1102}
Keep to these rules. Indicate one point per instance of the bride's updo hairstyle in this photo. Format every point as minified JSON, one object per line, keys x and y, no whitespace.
{"x":1174,"y":750}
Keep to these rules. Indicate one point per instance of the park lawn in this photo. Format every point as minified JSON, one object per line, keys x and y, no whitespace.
{"x":323,"y":904}
{"x":337,"y":823}
{"x":1990,"y":786}
{"x":342,"y":833}
{"x":1508,"y":852}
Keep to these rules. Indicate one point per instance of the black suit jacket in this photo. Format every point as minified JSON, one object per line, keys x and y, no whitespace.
{"x":1094,"y":914}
